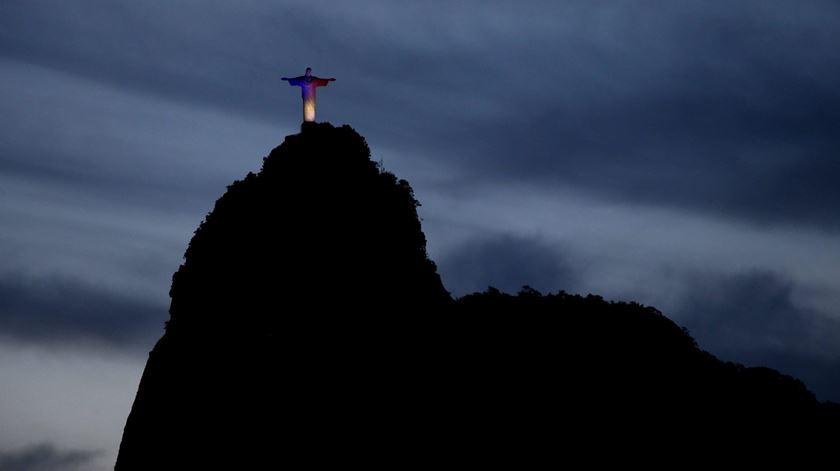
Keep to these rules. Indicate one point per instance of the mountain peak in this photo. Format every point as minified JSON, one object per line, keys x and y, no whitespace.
{"x":319,"y":217}
{"x":308,"y":325}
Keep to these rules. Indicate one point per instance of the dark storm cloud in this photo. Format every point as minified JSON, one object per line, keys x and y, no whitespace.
{"x":55,"y":311}
{"x":56,"y":169}
{"x":733,"y":110}
{"x":107,"y":160}
{"x":752,"y":318}
{"x":507,"y":263}
{"x":71,"y":133}
{"x":730,"y":109}
{"x":45,"y":457}
{"x":820,"y":374}
{"x":754,"y":310}
{"x":193,"y":51}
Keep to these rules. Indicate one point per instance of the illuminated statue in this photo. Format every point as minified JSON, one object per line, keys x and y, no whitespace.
{"x":307,"y":84}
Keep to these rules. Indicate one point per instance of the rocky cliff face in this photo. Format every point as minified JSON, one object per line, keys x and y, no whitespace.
{"x":296,"y":270}
{"x":309,"y":328}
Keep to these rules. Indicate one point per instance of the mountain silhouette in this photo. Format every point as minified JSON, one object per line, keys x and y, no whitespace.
{"x":308,"y":327}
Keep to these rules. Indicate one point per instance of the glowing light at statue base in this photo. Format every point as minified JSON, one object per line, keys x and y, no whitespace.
{"x":309,"y":107}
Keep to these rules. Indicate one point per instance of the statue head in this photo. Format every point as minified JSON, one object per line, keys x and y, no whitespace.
{"x":309,"y":71}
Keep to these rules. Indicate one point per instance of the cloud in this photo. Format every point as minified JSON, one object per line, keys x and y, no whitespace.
{"x":57,"y":311}
{"x":754,"y":310}
{"x":45,"y":457}
{"x":820,"y":374}
{"x":136,"y":114}
{"x":732,"y":111}
{"x":103,"y":188}
{"x":75,"y":133}
{"x":505,"y":262}
{"x":76,"y":399}
{"x":754,"y":318}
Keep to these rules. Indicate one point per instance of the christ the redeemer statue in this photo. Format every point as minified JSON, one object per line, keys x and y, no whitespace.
{"x":308,"y":83}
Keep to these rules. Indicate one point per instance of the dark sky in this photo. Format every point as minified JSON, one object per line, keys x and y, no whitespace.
{"x":682,"y":154}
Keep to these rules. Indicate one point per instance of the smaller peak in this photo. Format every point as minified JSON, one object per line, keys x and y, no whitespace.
{"x":308,"y":127}
{"x":322,"y":151}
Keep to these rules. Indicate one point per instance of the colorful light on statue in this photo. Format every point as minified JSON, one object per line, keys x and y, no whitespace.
{"x":308,"y":83}
{"x":308,"y":105}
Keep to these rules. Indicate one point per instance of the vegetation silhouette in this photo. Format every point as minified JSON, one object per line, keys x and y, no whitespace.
{"x":308,"y":327}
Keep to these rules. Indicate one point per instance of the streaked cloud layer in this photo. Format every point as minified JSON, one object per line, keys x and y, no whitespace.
{"x":679,"y":153}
